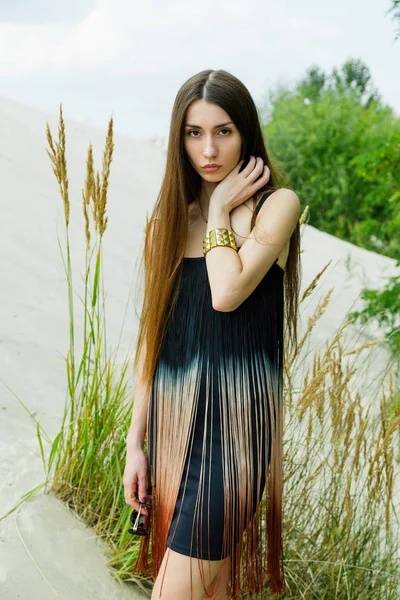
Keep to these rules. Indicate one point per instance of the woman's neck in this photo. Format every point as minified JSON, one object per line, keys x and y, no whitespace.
{"x":203,"y":201}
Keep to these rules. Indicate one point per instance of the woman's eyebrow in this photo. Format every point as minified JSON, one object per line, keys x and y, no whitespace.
{"x":216,"y":126}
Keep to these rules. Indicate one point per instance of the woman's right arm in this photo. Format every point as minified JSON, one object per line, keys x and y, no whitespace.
{"x":135,"y":476}
{"x":137,"y":429}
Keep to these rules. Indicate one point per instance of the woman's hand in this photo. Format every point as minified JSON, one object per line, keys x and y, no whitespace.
{"x":237,"y":187}
{"x":135,"y":479}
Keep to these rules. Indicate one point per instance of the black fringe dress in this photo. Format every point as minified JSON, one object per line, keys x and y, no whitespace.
{"x":215,"y":416}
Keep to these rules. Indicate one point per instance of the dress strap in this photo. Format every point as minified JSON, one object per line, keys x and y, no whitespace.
{"x":262,"y":199}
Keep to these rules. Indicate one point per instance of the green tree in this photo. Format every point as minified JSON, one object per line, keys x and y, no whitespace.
{"x":340,"y":146}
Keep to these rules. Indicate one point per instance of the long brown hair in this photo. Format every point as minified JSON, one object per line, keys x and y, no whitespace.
{"x":168,"y":225}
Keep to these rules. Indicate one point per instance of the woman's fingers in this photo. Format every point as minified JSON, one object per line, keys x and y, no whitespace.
{"x":251,"y":165}
{"x":135,"y":503}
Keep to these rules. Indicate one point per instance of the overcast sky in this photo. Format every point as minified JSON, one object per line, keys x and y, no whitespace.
{"x":129,"y":58}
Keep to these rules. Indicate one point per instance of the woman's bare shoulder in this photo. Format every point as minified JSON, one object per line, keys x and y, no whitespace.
{"x":253,"y":200}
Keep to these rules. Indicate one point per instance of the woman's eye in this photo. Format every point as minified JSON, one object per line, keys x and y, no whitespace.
{"x":195,"y":131}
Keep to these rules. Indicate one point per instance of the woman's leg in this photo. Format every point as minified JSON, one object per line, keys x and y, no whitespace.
{"x":183,"y":579}
{"x":219,"y":585}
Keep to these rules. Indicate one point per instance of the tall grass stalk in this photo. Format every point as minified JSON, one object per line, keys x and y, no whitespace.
{"x":86,"y":459}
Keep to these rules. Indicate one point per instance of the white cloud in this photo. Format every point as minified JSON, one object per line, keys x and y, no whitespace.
{"x":125,"y":36}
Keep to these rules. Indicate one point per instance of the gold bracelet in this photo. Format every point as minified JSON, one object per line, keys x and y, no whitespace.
{"x":218,"y":237}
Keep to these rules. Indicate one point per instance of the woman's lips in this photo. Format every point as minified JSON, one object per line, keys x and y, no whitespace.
{"x":210,"y":169}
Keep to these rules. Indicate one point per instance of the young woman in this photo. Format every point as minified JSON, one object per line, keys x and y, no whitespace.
{"x":221,"y":274}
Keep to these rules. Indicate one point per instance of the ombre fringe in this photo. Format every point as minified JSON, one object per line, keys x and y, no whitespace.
{"x":239,"y":356}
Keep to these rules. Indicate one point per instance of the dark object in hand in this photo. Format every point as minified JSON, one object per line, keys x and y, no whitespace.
{"x":137,"y":519}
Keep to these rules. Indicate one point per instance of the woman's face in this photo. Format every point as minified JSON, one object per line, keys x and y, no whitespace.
{"x":211,"y":137}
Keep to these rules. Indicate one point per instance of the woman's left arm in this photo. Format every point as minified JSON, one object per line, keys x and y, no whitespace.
{"x":233,"y":276}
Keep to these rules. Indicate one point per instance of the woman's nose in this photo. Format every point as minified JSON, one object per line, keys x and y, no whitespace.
{"x":209,"y":153}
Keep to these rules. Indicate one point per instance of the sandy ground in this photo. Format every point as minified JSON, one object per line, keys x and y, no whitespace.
{"x":45,"y":551}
